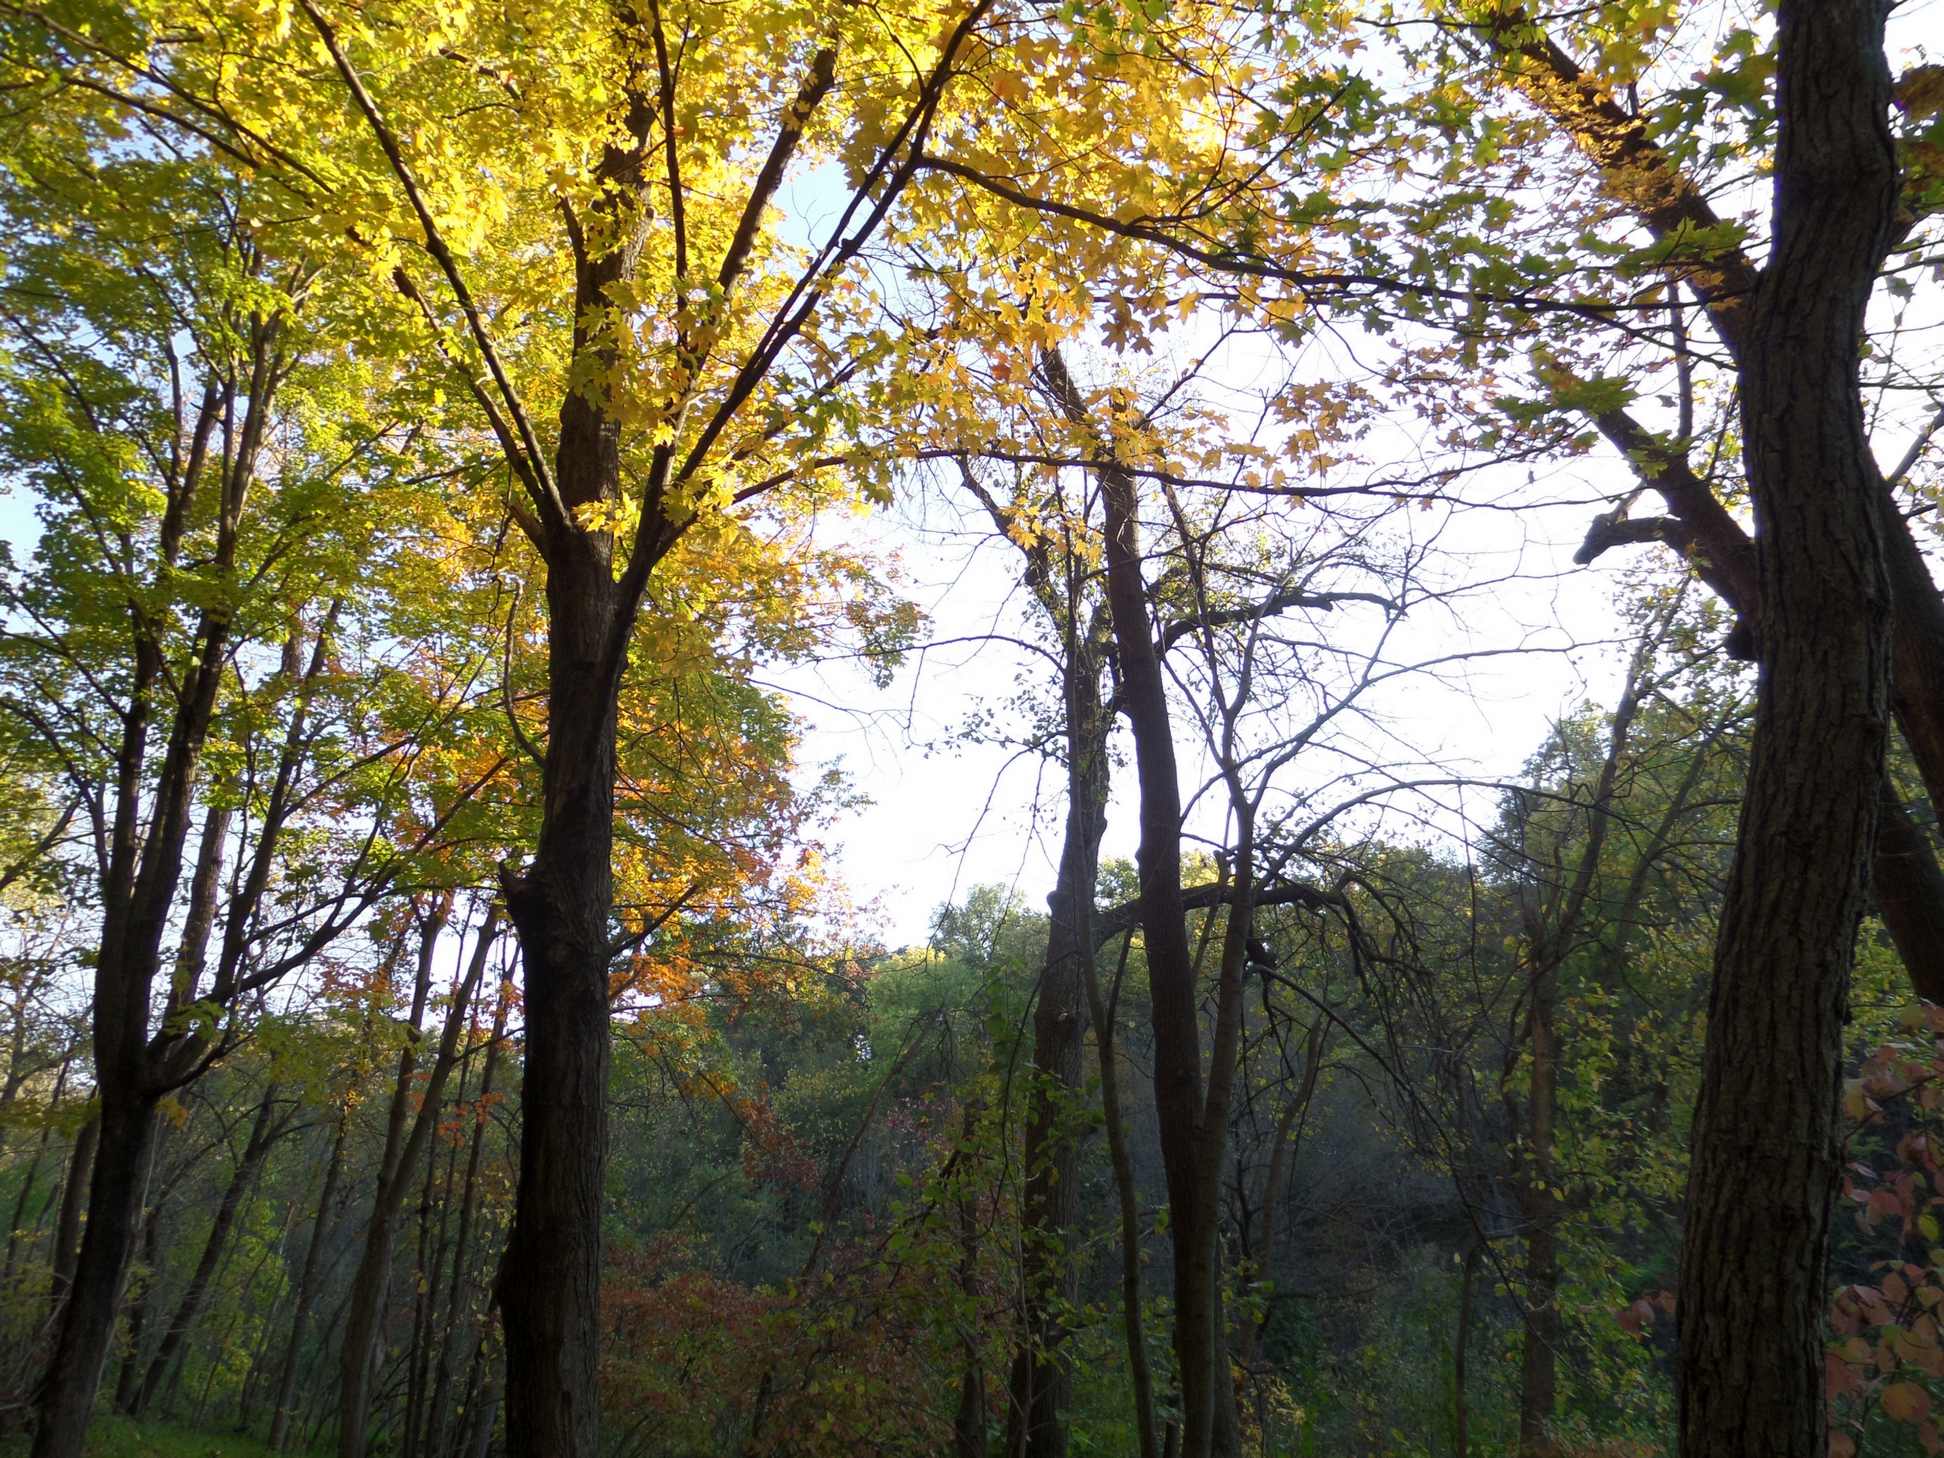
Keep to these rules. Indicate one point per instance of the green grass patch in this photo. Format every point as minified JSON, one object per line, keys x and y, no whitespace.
{"x":114,"y":1436}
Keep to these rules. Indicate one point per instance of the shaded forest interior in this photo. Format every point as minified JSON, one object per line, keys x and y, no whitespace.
{"x":1412,"y":530}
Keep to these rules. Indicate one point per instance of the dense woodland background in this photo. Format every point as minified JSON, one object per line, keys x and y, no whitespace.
{"x":432,"y":433}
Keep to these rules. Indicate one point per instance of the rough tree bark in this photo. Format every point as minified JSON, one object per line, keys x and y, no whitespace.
{"x":1764,"y":1153}
{"x":1639,"y":174}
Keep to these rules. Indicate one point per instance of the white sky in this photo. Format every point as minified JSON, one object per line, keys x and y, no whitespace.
{"x":946,"y":814}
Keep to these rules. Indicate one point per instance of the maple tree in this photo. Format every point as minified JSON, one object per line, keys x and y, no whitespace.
{"x":428,"y":412}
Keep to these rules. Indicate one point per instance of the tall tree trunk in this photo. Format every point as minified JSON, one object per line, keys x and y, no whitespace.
{"x":307,"y":1284}
{"x":459,"y":1316}
{"x":1755,"y":1247}
{"x":482,"y":1412}
{"x":562,"y":905}
{"x":128,"y":1380}
{"x":1275,"y":1183}
{"x":432,"y":1270}
{"x":1554,"y":916}
{"x":263,"y":1135}
{"x":114,"y":1201}
{"x":405,"y":1145}
{"x":258,"y":1372}
{"x":431,"y":1276}
{"x":1187,"y":1146}
{"x":67,"y":1228}
{"x":138,"y":888}
{"x":1125,"y":1198}
{"x":1042,"y":1378}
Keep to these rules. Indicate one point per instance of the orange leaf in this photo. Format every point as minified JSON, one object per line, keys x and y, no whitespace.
{"x":1906,"y":1402}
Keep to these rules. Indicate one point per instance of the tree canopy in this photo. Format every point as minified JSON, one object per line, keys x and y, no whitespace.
{"x":460,"y":457}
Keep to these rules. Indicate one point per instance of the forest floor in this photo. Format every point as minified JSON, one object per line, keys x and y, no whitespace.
{"x":120,"y":1437}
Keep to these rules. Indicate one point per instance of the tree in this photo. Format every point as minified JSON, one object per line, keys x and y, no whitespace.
{"x":197,"y":577}
{"x":1055,"y":556}
{"x":656,"y":432}
{"x":1765,"y":1157}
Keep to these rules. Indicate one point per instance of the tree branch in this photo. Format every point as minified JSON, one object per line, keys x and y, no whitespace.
{"x":539,"y":480}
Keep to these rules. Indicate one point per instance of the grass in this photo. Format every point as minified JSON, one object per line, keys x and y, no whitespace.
{"x":114,"y":1436}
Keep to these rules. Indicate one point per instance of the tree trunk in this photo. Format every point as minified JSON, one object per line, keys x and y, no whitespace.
{"x":431,"y":1277}
{"x":1185,"y":1142}
{"x":307,"y":1283}
{"x":138,"y":895}
{"x":67,"y":1228}
{"x":432,"y":1269}
{"x":458,"y":1319}
{"x":549,"y":1284}
{"x":1042,"y":1378}
{"x":258,"y":1372}
{"x":1909,"y":887}
{"x":262,"y":1136}
{"x":1130,"y":1215}
{"x":364,"y":1315}
{"x":128,"y":1380}
{"x":1764,"y":1162}
{"x":88,"y":1319}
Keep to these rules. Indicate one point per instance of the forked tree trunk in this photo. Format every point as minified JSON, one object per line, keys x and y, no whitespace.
{"x":1755,"y":1248}
{"x":1185,"y":1142}
{"x":138,"y":891}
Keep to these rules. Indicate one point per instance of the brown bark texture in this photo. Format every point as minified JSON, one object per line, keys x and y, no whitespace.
{"x":1636,"y":172}
{"x":1764,"y":1161}
{"x":1186,"y":1151}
